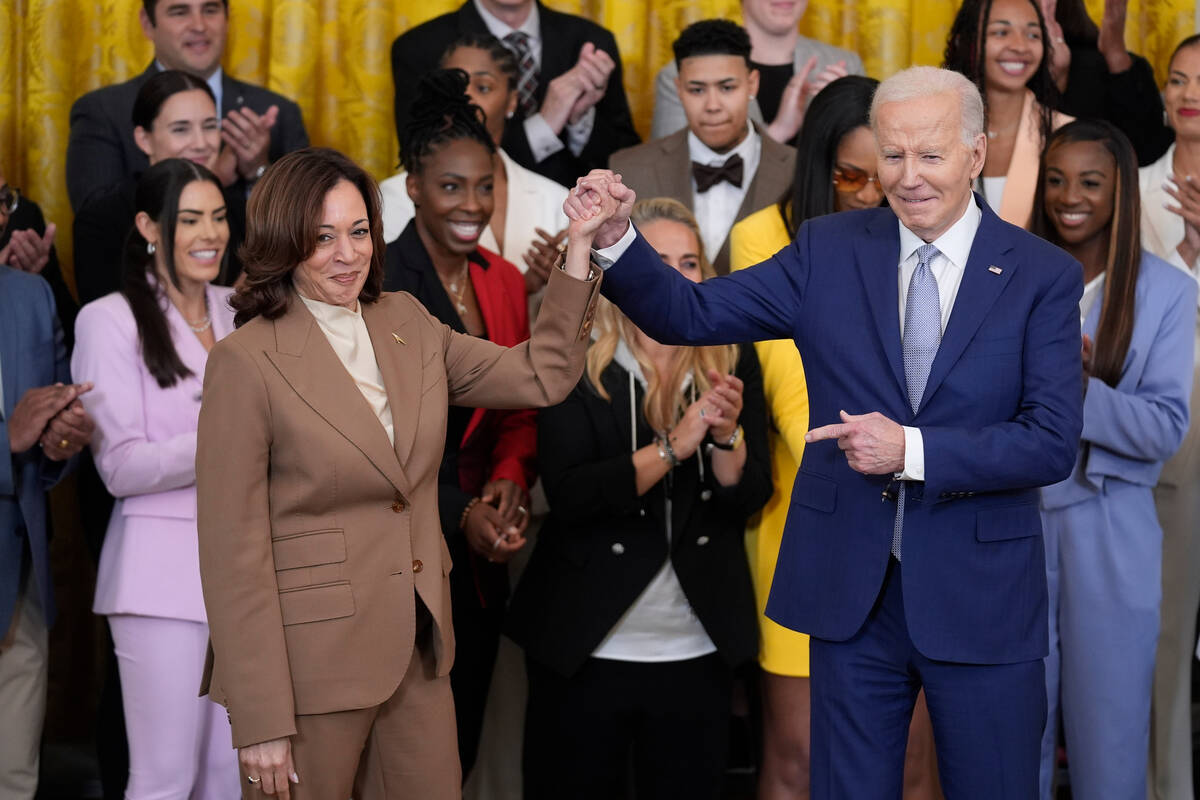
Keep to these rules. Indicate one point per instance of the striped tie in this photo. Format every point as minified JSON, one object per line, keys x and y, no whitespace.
{"x":527,"y":78}
{"x":922,"y":335}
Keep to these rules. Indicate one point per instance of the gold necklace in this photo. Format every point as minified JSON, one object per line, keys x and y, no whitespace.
{"x":457,"y":290}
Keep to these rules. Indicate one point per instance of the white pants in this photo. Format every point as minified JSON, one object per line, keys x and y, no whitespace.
{"x":22,"y":695}
{"x":180,"y":745}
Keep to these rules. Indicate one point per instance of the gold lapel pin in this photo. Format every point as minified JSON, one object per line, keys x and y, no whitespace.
{"x":995,"y":270}
{"x":396,"y":336}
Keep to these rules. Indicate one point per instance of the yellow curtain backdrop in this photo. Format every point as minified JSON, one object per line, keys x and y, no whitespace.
{"x":332,"y":56}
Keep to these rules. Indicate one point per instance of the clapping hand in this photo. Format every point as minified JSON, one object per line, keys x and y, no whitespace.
{"x":798,"y":93}
{"x":592,"y":71}
{"x":724,"y":405}
{"x":1060,"y":61}
{"x":27,"y":251}
{"x":31,"y":418}
{"x":248,"y":135}
{"x":540,"y":259}
{"x":1187,"y":194}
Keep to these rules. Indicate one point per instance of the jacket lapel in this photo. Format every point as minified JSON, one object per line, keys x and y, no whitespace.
{"x":876,"y":255}
{"x":309,"y":365}
{"x":675,"y":169}
{"x":978,"y":291}
{"x":401,"y":366}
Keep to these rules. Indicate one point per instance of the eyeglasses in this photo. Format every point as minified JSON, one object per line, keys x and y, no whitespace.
{"x":849,"y":179}
{"x":10,"y":198}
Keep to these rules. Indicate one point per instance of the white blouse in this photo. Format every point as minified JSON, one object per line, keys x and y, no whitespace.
{"x":347,"y":335}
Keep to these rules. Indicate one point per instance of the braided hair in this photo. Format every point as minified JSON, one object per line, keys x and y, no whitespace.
{"x":441,"y":112}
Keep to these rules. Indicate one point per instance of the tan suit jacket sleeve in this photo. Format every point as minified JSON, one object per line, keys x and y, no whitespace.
{"x":233,"y":517}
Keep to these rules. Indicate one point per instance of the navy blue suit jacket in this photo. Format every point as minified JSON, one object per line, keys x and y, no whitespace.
{"x":32,"y":354}
{"x":1001,"y":416}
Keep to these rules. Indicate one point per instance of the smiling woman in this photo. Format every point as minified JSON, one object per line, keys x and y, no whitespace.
{"x":319,"y":448}
{"x":488,"y":462}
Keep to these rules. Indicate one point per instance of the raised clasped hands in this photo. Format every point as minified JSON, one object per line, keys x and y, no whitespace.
{"x":598,"y":209}
{"x":873,"y":444}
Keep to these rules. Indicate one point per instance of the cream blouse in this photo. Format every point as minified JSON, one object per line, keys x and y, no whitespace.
{"x":347,"y":335}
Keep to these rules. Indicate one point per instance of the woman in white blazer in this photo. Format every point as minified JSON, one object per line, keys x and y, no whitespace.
{"x":525,"y":200}
{"x":1171,"y":230}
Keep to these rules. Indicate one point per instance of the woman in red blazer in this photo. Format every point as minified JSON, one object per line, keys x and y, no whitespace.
{"x":488,"y":465}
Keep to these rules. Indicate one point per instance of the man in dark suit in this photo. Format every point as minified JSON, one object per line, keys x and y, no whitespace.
{"x":42,"y":427}
{"x":572,"y":113}
{"x":942,"y":351}
{"x":721,"y":166}
{"x":259,"y":126}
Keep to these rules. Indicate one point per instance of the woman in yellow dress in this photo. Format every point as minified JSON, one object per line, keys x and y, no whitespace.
{"x":835,"y":171}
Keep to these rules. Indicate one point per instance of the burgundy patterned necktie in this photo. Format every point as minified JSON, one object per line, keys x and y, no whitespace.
{"x":527,"y":78}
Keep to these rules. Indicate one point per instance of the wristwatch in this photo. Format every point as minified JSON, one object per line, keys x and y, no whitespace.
{"x":734,"y":441}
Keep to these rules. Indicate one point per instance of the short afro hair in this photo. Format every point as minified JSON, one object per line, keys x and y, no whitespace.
{"x":712,"y":37}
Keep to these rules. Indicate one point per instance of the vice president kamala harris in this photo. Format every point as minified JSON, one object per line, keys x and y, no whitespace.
{"x":321,"y":432}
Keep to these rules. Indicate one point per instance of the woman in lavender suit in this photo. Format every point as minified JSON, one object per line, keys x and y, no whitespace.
{"x":145,"y":348}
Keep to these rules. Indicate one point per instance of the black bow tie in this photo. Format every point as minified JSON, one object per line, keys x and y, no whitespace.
{"x":708,"y":177}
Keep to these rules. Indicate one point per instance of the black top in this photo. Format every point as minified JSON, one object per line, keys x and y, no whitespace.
{"x":772,"y":80}
{"x":408,"y":268}
{"x":29,"y":217}
{"x":104,"y":222}
{"x":602,"y":544}
{"x":1130,"y":100}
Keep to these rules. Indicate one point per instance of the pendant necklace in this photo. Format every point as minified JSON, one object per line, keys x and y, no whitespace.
{"x":457,"y":289}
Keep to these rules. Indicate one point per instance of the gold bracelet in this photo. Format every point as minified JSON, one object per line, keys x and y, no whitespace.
{"x":462,"y":520}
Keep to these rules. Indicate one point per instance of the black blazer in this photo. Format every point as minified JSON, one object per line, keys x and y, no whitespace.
{"x":419,"y":50}
{"x":602,"y":544}
{"x":103,"y":223}
{"x":101,"y":151}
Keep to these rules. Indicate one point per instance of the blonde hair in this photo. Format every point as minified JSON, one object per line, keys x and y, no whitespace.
{"x":665,"y":401}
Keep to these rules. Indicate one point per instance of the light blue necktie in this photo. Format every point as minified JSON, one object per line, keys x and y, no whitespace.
{"x":922,"y":335}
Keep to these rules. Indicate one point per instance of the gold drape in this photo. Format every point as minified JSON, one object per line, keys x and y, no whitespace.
{"x":332,"y":56}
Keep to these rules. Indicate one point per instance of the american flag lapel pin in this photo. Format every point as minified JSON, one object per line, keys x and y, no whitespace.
{"x":995,"y":270}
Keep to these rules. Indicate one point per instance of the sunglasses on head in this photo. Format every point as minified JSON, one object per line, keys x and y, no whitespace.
{"x":10,"y":198}
{"x":849,"y":179}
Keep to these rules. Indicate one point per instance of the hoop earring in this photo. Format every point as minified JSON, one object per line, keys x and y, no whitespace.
{"x":150,"y":248}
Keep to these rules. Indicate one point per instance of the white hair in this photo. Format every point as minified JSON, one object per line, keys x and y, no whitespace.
{"x":918,"y":82}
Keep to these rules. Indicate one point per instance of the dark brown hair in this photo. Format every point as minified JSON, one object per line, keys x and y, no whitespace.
{"x":151,"y":7}
{"x":1115,"y":330}
{"x":966,"y":49}
{"x":283,"y":217}
{"x":158,"y":192}
{"x":159,"y":88}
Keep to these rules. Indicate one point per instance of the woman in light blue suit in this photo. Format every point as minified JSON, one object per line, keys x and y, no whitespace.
{"x":1103,"y":540}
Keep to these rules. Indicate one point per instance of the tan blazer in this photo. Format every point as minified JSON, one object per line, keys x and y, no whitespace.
{"x":663,"y":168}
{"x":1020,"y":185}
{"x":314,"y":531}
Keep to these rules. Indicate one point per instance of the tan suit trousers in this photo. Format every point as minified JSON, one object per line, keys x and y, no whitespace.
{"x":23,"y":652}
{"x":405,"y":748}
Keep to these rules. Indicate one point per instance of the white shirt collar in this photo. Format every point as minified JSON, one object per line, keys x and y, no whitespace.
{"x":497,"y":27}
{"x":214,"y":82}
{"x":702,"y":153}
{"x":328,"y":313}
{"x":954,"y":244}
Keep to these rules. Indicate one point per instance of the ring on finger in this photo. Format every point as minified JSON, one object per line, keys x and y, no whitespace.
{"x":253,"y":781}
{"x":496,"y":544}
{"x":523,"y":510}
{"x":63,"y":444}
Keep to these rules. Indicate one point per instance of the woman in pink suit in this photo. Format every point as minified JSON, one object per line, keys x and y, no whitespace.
{"x":145,"y":348}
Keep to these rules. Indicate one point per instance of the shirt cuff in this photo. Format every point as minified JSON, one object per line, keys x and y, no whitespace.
{"x":543,"y":141}
{"x":579,"y":132}
{"x":914,"y":455}
{"x":608,"y":256}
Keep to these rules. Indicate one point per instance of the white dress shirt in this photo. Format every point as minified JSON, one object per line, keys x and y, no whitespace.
{"x":347,"y":335}
{"x":954,"y":248}
{"x":716,"y":210}
{"x":543,"y":141}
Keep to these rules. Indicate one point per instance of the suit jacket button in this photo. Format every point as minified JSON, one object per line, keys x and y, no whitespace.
{"x":618,"y":548}
{"x":398,"y":505}
{"x":418,"y":566}
{"x":703,"y":540}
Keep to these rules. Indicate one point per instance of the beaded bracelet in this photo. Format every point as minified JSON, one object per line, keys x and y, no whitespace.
{"x":462,"y":520}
